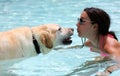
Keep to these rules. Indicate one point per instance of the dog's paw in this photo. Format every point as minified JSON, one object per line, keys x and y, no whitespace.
{"x":102,"y":74}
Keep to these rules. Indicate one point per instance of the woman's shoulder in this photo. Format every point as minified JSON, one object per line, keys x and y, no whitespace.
{"x":111,"y":44}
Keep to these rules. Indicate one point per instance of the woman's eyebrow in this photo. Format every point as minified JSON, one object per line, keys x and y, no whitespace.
{"x":84,"y":18}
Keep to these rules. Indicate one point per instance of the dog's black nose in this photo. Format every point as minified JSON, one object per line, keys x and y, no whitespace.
{"x":72,"y":29}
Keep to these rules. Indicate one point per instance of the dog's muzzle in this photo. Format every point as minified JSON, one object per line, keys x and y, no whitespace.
{"x":68,"y":39}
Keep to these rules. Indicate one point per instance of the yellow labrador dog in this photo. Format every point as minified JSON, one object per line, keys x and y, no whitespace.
{"x":26,"y":41}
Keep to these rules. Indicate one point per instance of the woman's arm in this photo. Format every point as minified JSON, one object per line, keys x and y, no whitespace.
{"x":112,"y":68}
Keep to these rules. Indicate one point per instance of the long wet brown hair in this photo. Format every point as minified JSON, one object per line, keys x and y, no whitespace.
{"x":100,"y":17}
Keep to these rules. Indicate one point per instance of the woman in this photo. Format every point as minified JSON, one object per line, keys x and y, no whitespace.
{"x":94,"y":24}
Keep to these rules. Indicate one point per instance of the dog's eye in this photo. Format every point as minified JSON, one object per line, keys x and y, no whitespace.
{"x":59,"y":29}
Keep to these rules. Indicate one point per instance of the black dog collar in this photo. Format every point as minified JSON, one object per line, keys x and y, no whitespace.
{"x":36,"y":45}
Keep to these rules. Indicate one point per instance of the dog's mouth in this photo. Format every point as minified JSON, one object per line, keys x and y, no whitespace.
{"x":67,"y":41}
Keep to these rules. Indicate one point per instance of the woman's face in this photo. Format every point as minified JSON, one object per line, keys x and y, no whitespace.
{"x":84,"y":25}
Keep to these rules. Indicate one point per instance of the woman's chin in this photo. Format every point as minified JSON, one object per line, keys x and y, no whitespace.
{"x":80,"y":35}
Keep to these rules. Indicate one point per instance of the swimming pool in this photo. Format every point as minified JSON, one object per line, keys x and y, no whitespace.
{"x":19,"y":13}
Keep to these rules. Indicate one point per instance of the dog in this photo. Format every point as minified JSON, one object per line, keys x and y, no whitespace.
{"x":31,"y":41}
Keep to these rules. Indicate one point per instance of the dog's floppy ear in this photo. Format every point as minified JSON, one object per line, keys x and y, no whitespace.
{"x":46,"y":39}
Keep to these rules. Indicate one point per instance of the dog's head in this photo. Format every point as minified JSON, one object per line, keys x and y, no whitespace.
{"x":63,"y":35}
{"x":52,"y":35}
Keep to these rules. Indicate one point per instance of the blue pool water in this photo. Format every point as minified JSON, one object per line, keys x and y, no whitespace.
{"x":19,"y":13}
